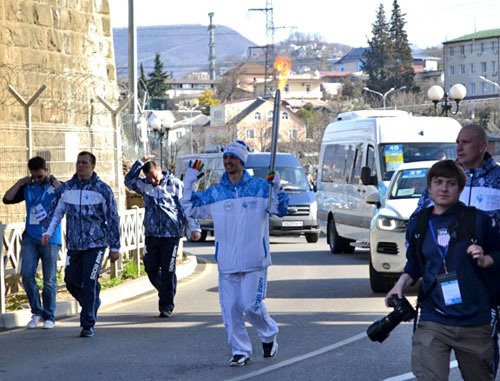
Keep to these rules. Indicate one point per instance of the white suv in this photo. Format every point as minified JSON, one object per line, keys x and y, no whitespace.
{"x":388,"y":226}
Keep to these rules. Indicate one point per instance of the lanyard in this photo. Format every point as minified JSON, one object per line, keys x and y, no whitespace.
{"x":440,"y":251}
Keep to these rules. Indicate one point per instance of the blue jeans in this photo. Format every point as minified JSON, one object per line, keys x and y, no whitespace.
{"x":31,"y":252}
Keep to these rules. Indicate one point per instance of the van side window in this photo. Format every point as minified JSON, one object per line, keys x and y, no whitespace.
{"x":349,"y":165}
{"x":370,"y":160}
{"x":327,"y":170}
{"x":333,"y":163}
{"x":358,"y":163}
{"x":339,"y":163}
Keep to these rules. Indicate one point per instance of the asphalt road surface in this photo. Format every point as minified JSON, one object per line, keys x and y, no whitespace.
{"x":322,"y":303}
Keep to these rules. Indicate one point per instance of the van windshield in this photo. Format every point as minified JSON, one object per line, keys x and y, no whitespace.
{"x":410,"y":183}
{"x":292,"y":178}
{"x":393,"y":155}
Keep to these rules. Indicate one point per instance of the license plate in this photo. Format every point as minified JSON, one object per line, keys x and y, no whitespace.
{"x":292,"y":223}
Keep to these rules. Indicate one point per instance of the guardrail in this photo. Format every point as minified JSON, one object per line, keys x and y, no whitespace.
{"x":131,"y":240}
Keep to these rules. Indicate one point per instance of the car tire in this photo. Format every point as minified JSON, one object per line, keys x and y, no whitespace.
{"x":378,"y":282}
{"x":312,"y":237}
{"x":203,"y":237}
{"x":337,"y":243}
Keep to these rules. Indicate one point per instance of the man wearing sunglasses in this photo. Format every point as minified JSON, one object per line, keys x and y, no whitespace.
{"x":38,"y":190}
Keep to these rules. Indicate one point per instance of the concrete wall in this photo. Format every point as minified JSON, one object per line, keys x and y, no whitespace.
{"x":67,"y":46}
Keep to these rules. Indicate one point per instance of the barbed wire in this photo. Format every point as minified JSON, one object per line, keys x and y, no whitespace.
{"x":67,"y":91}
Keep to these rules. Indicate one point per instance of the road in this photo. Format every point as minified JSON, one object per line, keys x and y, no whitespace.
{"x":322,"y":303}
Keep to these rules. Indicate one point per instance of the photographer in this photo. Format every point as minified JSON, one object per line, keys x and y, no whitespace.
{"x":454,"y":255}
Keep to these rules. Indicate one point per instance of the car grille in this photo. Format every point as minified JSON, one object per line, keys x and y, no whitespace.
{"x":387,"y":248}
{"x":298,"y":210}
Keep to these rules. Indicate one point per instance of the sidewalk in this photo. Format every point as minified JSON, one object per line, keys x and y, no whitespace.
{"x":109,"y":296}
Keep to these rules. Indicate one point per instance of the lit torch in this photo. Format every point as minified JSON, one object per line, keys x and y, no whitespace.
{"x":283,"y":66}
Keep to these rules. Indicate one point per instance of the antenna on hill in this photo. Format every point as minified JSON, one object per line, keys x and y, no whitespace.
{"x":211,"y":46}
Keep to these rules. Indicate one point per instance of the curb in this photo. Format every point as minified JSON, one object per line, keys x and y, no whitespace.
{"x":65,"y":308}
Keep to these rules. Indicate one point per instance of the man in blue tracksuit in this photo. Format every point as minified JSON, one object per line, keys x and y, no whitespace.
{"x":238,"y":206}
{"x":38,"y":191}
{"x":92,"y":224}
{"x":481,"y":191}
{"x":163,"y":226}
{"x":456,"y":281}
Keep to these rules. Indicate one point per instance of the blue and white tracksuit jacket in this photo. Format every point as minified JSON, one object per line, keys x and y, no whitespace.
{"x":92,"y":219}
{"x":241,"y":225}
{"x":241,"y":221}
{"x":163,"y":212}
{"x":481,"y":191}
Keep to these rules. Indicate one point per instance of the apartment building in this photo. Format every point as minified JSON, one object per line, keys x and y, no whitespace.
{"x":468,"y":57}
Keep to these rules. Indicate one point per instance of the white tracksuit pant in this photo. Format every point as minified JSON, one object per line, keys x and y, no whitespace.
{"x":243,"y":293}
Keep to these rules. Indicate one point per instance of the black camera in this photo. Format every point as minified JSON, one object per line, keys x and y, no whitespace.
{"x":403,"y":311}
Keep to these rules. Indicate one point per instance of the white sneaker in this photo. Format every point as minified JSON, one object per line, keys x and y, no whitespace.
{"x":35,"y":319}
{"x":48,"y":324}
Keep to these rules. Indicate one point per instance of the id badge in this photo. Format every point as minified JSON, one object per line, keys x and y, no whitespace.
{"x":39,"y":212}
{"x":450,"y":289}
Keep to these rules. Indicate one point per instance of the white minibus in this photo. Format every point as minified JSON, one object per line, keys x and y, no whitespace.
{"x":359,"y":153}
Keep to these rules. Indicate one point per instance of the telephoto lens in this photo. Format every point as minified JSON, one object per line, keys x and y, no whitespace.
{"x":403,"y":311}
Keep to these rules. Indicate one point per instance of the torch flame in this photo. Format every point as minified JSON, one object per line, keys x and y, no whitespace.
{"x":283,"y":66}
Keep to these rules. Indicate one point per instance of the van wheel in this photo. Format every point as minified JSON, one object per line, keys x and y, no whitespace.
{"x":312,"y":237}
{"x":378,"y":282}
{"x":337,"y":243}
{"x":203,"y":235}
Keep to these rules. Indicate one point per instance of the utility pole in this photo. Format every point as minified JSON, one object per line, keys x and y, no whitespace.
{"x":269,"y":47}
{"x":132,"y":59}
{"x":211,"y":46}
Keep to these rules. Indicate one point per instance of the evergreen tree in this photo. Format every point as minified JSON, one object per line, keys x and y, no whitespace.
{"x":156,"y":83}
{"x":378,"y":57}
{"x":402,"y":71}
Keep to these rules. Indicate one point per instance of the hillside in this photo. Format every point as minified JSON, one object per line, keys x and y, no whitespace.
{"x":183,"y":48}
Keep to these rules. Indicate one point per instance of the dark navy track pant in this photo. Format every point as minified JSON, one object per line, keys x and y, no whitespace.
{"x":82,"y":281}
{"x":159,"y":263}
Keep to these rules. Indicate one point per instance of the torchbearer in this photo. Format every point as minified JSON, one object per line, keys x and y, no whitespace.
{"x":239,"y":207}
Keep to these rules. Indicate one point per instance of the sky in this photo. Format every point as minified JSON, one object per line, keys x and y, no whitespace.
{"x":349,"y":22}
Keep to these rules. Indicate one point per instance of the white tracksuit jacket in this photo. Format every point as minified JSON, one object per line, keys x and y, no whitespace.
{"x":241,"y":220}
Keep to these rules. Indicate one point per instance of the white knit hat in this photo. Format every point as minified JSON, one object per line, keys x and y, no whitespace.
{"x":238,"y":149}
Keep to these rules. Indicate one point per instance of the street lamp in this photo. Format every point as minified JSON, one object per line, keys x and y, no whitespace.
{"x":489,"y":81}
{"x":386,"y":94}
{"x":190,"y":121}
{"x":157,"y":127}
{"x":436,"y":93}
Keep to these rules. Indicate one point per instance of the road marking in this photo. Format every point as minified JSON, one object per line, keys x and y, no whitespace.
{"x":297,"y":359}
{"x":411,"y":376}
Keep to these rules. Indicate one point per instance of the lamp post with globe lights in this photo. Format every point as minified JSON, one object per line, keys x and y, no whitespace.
{"x":160,"y":130}
{"x":436,"y":93}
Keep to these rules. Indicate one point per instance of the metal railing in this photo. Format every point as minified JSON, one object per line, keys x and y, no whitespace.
{"x":131,"y":239}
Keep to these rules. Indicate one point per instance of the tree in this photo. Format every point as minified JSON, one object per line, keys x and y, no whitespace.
{"x":401,"y":66}
{"x":378,"y":57}
{"x":206,"y":100}
{"x":156,"y":83}
{"x":311,"y":118}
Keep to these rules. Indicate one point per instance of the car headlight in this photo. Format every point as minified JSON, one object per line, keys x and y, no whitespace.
{"x":393,"y":224}
{"x":314,"y":209}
